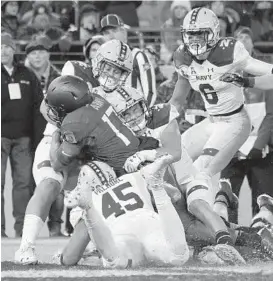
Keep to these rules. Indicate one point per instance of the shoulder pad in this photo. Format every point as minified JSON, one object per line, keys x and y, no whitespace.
{"x":181,"y":57}
{"x":223,"y":52}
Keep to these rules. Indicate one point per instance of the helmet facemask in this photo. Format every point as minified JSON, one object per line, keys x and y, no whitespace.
{"x":55,"y":114}
{"x":111,"y":75}
{"x":197,"y":41}
{"x":134,"y":117}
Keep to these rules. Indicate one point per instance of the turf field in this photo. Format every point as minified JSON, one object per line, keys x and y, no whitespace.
{"x":91,"y":269}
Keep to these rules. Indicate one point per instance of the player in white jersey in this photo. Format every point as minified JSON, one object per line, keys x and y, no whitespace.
{"x":121,"y":220}
{"x":200,"y":62}
{"x":157,"y":122}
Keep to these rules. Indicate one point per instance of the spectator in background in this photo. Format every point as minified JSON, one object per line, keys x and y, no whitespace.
{"x":249,"y":160}
{"x":9,"y":17}
{"x":91,"y":46}
{"x":40,"y":19}
{"x":38,"y":61}
{"x":172,"y":39}
{"x":22,"y":128}
{"x":41,"y":16}
{"x":89,"y":21}
{"x":143,"y":75}
{"x":226,"y":28}
{"x":127,"y":10}
{"x":261,"y":25}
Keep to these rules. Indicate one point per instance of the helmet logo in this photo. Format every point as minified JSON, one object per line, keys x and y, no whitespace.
{"x":123,"y":52}
{"x":194,"y":15}
{"x":98,"y":172}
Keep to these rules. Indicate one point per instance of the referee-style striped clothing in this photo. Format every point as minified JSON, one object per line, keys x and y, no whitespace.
{"x":143,"y":76}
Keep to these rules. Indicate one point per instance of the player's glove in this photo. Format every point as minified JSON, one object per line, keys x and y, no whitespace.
{"x":237,"y":80}
{"x":133,"y":163}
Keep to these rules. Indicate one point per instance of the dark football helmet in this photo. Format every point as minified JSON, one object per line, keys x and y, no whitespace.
{"x":64,"y":95}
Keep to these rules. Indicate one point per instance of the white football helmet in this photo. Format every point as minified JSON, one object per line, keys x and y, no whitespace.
{"x":200,"y":31}
{"x":100,"y":172}
{"x":116,"y":54}
{"x":130,"y":106}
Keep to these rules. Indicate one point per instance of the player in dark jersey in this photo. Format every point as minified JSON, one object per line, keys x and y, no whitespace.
{"x":91,"y":129}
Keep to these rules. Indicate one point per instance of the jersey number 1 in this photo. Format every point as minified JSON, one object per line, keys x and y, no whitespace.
{"x":106,"y":118}
{"x":110,"y":206}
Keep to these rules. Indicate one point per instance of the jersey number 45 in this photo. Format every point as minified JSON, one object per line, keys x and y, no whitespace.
{"x":123,"y":193}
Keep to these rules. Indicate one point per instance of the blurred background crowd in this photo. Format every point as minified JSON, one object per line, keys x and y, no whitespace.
{"x":38,"y":37}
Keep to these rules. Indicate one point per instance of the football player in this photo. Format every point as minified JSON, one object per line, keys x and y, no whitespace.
{"x":122,"y":223}
{"x":200,"y":62}
{"x":157,"y":121}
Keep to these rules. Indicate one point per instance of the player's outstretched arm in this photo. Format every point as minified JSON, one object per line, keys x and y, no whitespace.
{"x":180,"y":93}
{"x":257,"y":67}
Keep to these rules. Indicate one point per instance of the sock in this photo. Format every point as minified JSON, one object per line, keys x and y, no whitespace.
{"x":223,"y":237}
{"x":220,"y":208}
{"x":32,"y":227}
{"x":171,"y":224}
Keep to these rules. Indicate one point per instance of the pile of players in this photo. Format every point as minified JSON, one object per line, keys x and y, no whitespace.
{"x":143,"y":192}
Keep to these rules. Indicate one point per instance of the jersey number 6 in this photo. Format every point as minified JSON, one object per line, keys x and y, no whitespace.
{"x":209,"y":93}
{"x":106,"y":118}
{"x":110,"y":206}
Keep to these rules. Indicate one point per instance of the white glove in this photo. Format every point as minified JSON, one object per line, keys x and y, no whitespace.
{"x":133,"y":162}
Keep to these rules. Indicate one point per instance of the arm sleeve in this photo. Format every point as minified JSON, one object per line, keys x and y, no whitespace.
{"x":146,"y":77}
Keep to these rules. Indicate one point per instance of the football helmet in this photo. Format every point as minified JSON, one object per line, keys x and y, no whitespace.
{"x":112,"y":64}
{"x":200,"y":31}
{"x":64,"y":95}
{"x":98,"y":172}
{"x":130,"y":107}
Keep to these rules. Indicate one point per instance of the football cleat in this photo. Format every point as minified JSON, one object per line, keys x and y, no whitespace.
{"x":81,"y":195}
{"x":264,"y":200}
{"x":26,"y":256}
{"x":266,"y":234}
{"x":229,"y":254}
{"x":154,"y":172}
{"x":226,"y":191}
{"x":208,"y":256}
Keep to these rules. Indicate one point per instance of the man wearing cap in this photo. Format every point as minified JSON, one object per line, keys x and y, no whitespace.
{"x":22,"y":127}
{"x":143,"y":74}
{"x":38,"y":61}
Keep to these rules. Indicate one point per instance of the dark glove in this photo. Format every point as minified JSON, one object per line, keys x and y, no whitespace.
{"x":237,"y":80}
{"x":147,"y":143}
{"x":255,"y":154}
